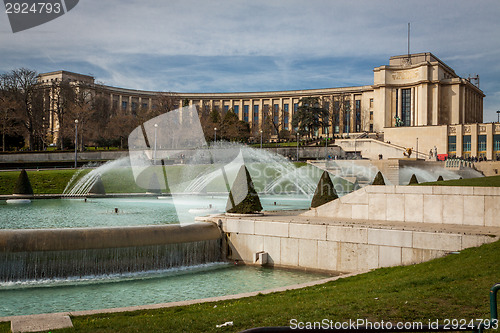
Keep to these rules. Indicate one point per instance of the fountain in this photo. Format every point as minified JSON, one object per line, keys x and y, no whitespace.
{"x":82,"y":239}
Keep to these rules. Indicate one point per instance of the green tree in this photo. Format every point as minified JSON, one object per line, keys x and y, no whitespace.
{"x":233,"y":129}
{"x":310,"y":116}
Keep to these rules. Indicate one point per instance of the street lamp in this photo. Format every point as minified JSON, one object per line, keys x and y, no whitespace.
{"x":416,"y":151}
{"x":154,"y":151}
{"x":76,"y":141}
{"x":260,"y":139}
{"x":297,"y":146}
{"x":498,"y":115}
{"x":215,"y":135}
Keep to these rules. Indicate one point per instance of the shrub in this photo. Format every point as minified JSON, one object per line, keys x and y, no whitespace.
{"x":243,"y":199}
{"x":325,"y":191}
{"x":23,"y":185}
{"x":379,"y":179}
{"x":413,"y":180}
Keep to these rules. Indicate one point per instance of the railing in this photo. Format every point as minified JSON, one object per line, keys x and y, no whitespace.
{"x":472,"y":326}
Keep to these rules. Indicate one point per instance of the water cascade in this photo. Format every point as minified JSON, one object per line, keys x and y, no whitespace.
{"x":56,"y":253}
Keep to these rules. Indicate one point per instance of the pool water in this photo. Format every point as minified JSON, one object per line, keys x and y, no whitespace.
{"x":133,"y":211}
{"x":88,"y":293}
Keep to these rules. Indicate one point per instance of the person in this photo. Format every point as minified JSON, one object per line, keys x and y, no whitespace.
{"x":430,"y":154}
{"x":436,"y":153}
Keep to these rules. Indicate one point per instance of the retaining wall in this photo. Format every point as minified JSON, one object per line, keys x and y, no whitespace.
{"x":344,"y":247}
{"x":463,"y":205}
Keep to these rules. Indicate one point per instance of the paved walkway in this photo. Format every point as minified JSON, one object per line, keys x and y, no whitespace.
{"x":294,"y":217}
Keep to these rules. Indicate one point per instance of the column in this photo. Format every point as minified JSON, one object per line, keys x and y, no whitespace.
{"x":460,"y":139}
{"x":489,"y":141}
{"x":352,"y":125}
{"x":473,"y":139}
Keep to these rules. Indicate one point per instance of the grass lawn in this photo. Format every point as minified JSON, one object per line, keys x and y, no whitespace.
{"x":42,"y":182}
{"x":493,"y":181}
{"x":453,"y":287}
{"x":119,"y":180}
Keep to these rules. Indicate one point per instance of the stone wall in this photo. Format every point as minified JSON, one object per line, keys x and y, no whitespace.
{"x":344,"y":247}
{"x":475,"y":206}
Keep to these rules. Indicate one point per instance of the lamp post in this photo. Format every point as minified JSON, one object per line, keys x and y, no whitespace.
{"x":355,"y":154}
{"x":416,"y":151}
{"x":215,"y":135}
{"x":260,"y":139}
{"x":297,"y":146}
{"x":76,"y":141}
{"x":154,"y":151}
{"x":498,"y":116}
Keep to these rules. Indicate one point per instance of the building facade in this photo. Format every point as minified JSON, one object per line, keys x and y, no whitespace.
{"x":413,"y":92}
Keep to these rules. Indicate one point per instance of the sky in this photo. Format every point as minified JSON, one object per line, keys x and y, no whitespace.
{"x":258,"y":45}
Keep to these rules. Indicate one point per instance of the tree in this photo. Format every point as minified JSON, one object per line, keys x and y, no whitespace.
{"x":243,"y":199}
{"x":379,"y":179}
{"x":340,"y":111}
{"x":83,"y":110}
{"x":310,"y":116}
{"x":233,"y":129}
{"x":10,"y":120}
{"x":164,"y":102}
{"x":21,"y":84}
{"x":325,"y":191}
{"x":63,"y":96}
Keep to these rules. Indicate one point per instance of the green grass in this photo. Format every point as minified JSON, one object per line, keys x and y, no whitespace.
{"x":118,"y":180}
{"x":493,"y":181}
{"x":42,"y":182}
{"x":453,"y":287}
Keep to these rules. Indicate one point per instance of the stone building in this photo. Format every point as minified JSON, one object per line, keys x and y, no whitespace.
{"x":415,"y":97}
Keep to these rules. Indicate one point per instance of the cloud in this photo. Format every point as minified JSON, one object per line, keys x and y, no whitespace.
{"x":235,"y":45}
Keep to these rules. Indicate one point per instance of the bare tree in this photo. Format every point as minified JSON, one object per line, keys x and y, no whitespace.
{"x":63,"y":98}
{"x":22,"y":85}
{"x":11,"y":124}
{"x":164,"y":102}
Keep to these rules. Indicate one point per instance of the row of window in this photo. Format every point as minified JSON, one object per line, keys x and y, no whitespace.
{"x":467,"y":143}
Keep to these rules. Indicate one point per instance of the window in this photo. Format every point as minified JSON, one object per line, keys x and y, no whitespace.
{"x":124,"y":105}
{"x":467,"y":144}
{"x":496,"y":142}
{"x":452,"y":144}
{"x":226,"y":108}
{"x":481,"y":143}
{"x":371,"y":115}
{"x":245,"y":112}
{"x":255,"y":114}
{"x":236,"y":109}
{"x":358,"y":116}
{"x":406,"y":107}
{"x":371,"y":128}
{"x":347,"y":116}
{"x":371,"y":103}
{"x":145,"y":105}
{"x":295,"y":107}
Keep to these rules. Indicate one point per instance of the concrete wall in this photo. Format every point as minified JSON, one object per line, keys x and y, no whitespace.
{"x":428,"y":137}
{"x":475,"y":206}
{"x":304,"y":153}
{"x":338,"y":247}
{"x":61,"y":156}
{"x":371,"y":148}
{"x":29,"y":240}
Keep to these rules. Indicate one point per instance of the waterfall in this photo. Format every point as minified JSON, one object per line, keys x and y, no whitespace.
{"x":23,"y":266}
